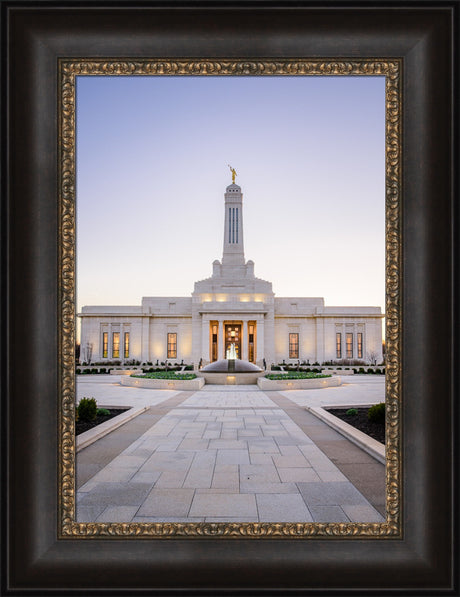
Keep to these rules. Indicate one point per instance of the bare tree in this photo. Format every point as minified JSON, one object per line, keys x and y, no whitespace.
{"x":87,"y":352}
{"x":371,"y":357}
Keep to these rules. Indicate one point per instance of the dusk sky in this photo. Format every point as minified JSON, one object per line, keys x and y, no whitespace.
{"x":152,"y":167}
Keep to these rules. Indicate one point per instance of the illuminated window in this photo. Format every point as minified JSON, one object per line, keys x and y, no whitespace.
{"x":116,"y":345}
{"x":293,"y":346}
{"x":360,"y":345}
{"x":172,"y":346}
{"x":349,"y":346}
{"x":126,"y":347}
{"x":105,"y":345}
{"x":338,"y":345}
{"x":251,"y":343}
{"x":214,"y":342}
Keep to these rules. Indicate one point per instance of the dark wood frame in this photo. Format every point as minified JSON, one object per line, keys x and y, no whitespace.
{"x":35,"y":35}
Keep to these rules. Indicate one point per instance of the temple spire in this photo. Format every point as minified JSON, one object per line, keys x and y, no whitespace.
{"x":233,"y":227}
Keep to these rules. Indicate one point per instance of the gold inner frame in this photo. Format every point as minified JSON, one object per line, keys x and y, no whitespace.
{"x":68,"y":69}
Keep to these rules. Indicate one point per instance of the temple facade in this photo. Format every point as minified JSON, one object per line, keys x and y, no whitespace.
{"x":232,"y":306}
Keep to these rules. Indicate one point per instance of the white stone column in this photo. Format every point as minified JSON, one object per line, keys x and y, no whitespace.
{"x":269,"y":338}
{"x":244,"y":339}
{"x":220,"y":341}
{"x":205,"y":338}
{"x":260,"y":340}
{"x":145,"y":339}
{"x":319,"y":352}
{"x":355,"y":341}
{"x":110,"y":344}
{"x":196,"y":335}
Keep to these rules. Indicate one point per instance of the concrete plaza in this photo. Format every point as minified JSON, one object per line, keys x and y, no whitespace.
{"x":228,"y":453}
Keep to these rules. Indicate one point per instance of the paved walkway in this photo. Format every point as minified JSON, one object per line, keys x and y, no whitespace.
{"x":224,"y":453}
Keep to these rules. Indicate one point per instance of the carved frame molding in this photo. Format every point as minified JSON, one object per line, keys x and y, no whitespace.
{"x":68,"y":70}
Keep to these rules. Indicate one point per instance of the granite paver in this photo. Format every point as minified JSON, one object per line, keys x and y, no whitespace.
{"x":222,"y":454}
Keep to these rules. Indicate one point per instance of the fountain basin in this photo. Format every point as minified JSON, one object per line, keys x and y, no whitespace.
{"x":231,"y":372}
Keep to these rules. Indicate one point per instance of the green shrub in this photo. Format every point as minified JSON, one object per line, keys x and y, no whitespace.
{"x":166,"y":375}
{"x":351,"y":412}
{"x":376,"y":414}
{"x":102,"y":412}
{"x":361,"y":370}
{"x":87,"y":409}
{"x":102,"y":370}
{"x":94,"y":371}
{"x":294,"y":375}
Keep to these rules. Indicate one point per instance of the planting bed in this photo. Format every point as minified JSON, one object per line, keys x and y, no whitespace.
{"x":361,"y":422}
{"x":82,"y":426}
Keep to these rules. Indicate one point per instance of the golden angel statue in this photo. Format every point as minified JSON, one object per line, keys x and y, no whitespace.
{"x":233,"y":171}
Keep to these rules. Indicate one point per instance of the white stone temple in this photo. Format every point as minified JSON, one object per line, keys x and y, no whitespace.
{"x":233,"y":306}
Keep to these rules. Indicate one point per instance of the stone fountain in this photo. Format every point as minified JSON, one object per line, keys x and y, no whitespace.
{"x":231,"y":370}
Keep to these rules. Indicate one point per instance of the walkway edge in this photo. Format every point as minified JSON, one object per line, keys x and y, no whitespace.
{"x":92,"y":435}
{"x":360,"y":439}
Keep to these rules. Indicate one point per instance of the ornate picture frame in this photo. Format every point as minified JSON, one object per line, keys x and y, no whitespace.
{"x":45,"y":549}
{"x":68,"y":71}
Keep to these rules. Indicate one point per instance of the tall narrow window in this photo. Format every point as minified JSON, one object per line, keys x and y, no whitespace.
{"x":338,"y":345}
{"x":293,"y":346}
{"x":214,"y":342}
{"x":116,"y":345}
{"x":105,"y":345}
{"x":172,"y":346}
{"x":126,"y":347}
{"x":236,"y":225}
{"x":229,"y":224}
{"x":251,"y":343}
{"x":233,"y":225}
{"x":360,"y":345}
{"x":349,"y":345}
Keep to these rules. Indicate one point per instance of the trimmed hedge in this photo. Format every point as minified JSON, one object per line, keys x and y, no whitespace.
{"x":376,"y":413}
{"x":87,"y":409}
{"x":295,"y":375}
{"x":166,"y":375}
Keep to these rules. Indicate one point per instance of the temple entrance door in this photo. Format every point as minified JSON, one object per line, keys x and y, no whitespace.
{"x":233,"y":336}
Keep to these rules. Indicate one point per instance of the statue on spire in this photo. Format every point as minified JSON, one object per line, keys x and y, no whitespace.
{"x":233,"y":171}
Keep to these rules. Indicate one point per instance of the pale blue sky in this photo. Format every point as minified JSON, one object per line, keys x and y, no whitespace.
{"x":152,"y":155}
